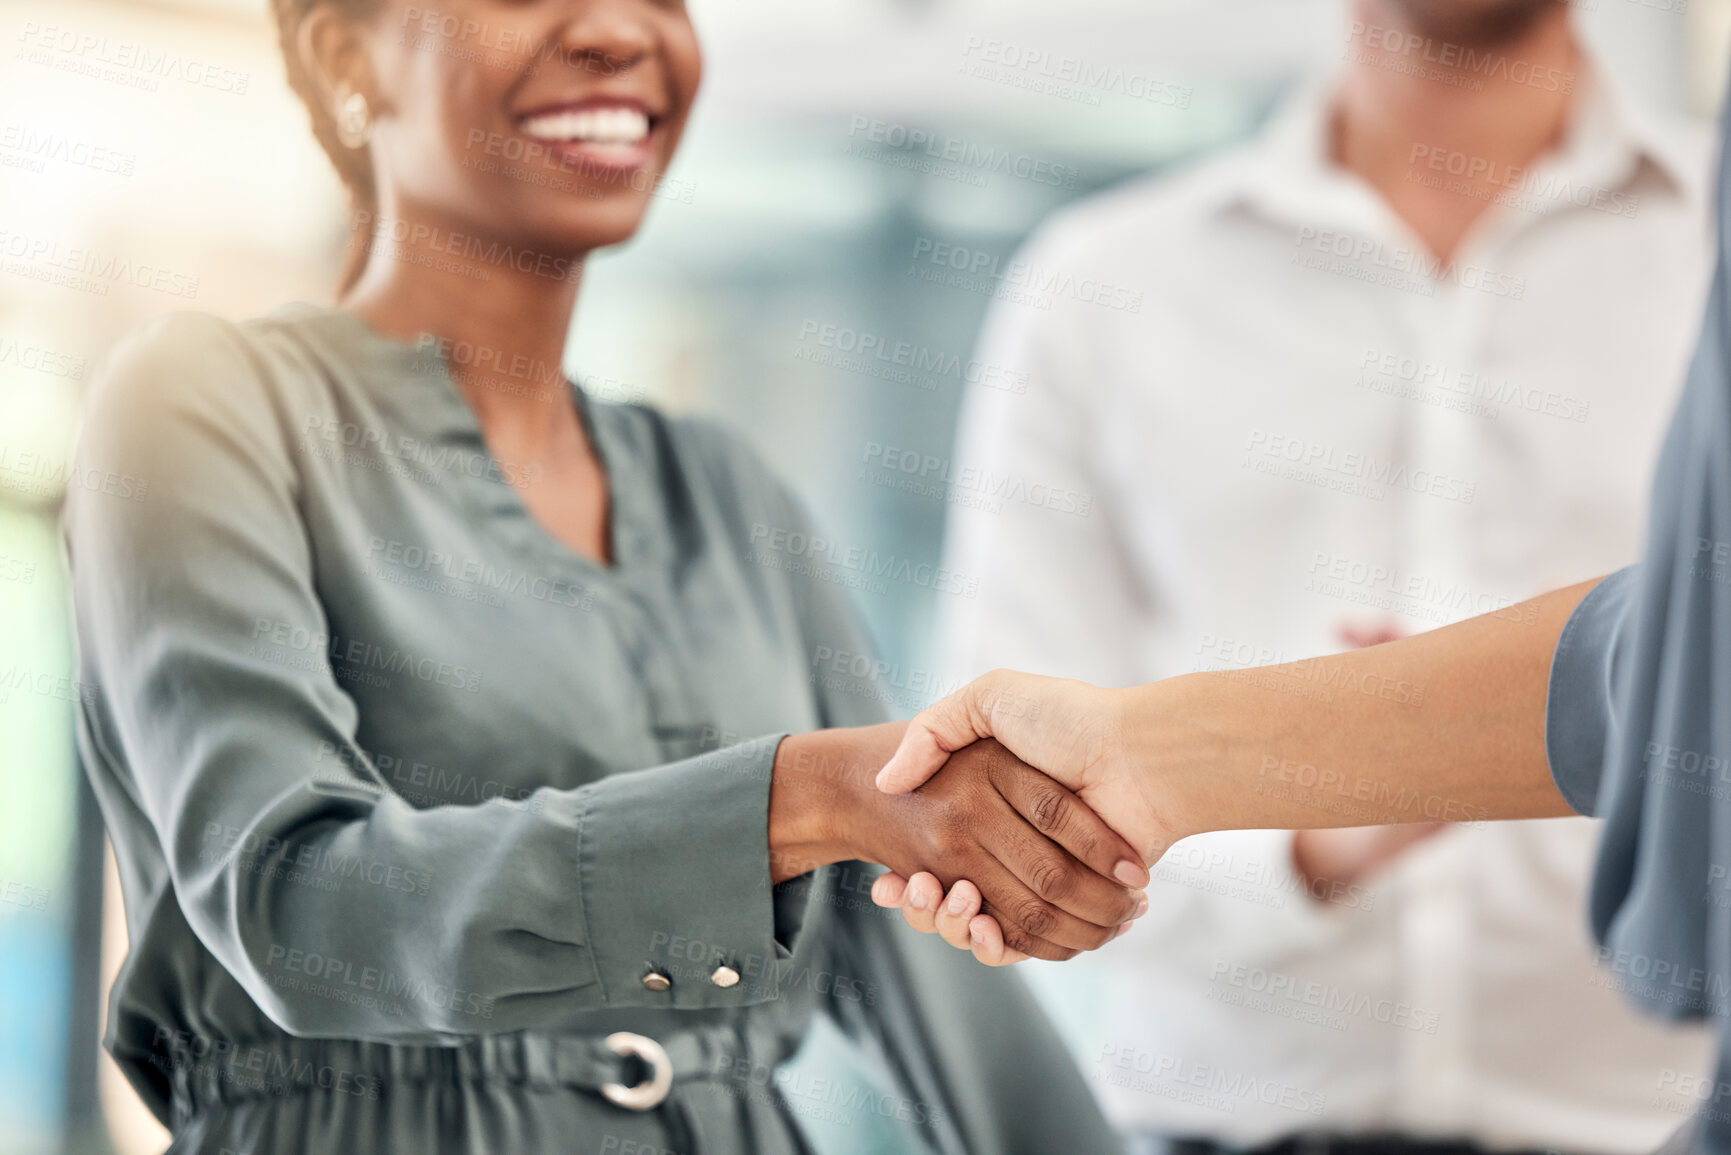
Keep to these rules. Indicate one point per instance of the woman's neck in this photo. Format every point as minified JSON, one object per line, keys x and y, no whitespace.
{"x":500,"y":311}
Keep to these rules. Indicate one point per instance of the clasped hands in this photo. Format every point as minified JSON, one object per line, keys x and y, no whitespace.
{"x":1022,"y":851}
{"x":1073,"y":732}
{"x":998,"y":857}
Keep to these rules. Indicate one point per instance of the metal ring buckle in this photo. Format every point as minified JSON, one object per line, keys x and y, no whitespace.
{"x":652,"y":1092}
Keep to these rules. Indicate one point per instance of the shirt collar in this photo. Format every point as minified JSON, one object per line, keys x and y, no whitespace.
{"x":1288,"y":173}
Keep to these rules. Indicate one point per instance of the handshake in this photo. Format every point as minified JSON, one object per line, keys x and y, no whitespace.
{"x":1002,"y":853}
{"x":1019,"y":815}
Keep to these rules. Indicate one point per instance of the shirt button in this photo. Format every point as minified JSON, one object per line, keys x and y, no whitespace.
{"x":656,"y":981}
{"x":724,"y":976}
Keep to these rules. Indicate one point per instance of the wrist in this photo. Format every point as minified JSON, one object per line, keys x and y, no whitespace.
{"x":822,"y":794}
{"x":1176,"y":754}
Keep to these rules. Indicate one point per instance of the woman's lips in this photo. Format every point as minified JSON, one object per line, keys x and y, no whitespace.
{"x":603,"y":137}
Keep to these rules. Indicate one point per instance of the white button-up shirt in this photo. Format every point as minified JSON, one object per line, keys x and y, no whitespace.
{"x":1287,"y":420}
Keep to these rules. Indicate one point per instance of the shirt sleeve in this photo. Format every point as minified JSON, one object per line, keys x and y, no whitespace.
{"x":1578,"y":713}
{"x":437,"y":922}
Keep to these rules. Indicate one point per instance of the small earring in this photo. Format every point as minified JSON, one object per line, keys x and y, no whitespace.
{"x":354,"y":121}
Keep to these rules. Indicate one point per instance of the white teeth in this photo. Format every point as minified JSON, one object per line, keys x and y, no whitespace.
{"x":592,"y":125}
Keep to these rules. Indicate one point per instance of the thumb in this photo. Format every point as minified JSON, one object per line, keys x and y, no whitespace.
{"x":935,"y":733}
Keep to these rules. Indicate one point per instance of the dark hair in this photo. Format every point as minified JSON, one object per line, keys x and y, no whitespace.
{"x":353,"y":165}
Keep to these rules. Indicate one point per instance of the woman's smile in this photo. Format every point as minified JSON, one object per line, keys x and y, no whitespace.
{"x":605,"y":135}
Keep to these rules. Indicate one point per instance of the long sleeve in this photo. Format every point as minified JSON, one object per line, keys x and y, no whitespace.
{"x":339,"y":907}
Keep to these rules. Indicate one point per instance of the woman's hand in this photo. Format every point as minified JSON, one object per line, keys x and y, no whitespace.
{"x":1053,"y":877}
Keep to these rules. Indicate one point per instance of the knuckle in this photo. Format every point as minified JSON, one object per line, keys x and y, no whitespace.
{"x":1048,"y":810}
{"x":1052,"y":879}
{"x":1035,"y":917}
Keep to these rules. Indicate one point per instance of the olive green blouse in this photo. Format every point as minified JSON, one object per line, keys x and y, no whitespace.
{"x":414,"y":806}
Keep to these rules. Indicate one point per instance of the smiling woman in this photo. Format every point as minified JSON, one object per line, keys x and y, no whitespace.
{"x":438,"y":710}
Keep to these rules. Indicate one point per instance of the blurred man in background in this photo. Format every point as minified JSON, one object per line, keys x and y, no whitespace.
{"x":1405,"y":358}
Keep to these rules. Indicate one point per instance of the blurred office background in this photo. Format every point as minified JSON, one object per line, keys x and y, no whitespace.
{"x":762,"y":289}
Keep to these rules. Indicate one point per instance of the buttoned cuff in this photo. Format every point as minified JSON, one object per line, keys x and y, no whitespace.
{"x":1578,"y":705}
{"x":674,"y":868}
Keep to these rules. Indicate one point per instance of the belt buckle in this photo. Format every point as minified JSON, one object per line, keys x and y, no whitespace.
{"x":652,"y":1092}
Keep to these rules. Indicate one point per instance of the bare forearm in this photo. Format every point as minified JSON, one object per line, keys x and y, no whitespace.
{"x":1444,"y":726}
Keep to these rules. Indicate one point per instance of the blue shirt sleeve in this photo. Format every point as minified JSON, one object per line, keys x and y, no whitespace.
{"x":1578,"y":706}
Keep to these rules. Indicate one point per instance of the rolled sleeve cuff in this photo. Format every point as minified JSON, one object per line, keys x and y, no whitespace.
{"x":675,"y":875}
{"x":1578,"y":706}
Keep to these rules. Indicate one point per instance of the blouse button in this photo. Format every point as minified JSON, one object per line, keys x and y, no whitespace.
{"x":724,"y":976}
{"x":656,"y":981}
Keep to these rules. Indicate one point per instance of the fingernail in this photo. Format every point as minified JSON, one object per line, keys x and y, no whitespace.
{"x":917,"y":896}
{"x":976,"y":934}
{"x":1141,"y":906}
{"x":1123,"y":929}
{"x":1130,"y":873}
{"x":958,"y":902}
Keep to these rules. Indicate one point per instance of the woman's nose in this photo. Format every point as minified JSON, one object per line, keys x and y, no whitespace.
{"x":607,"y":36}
